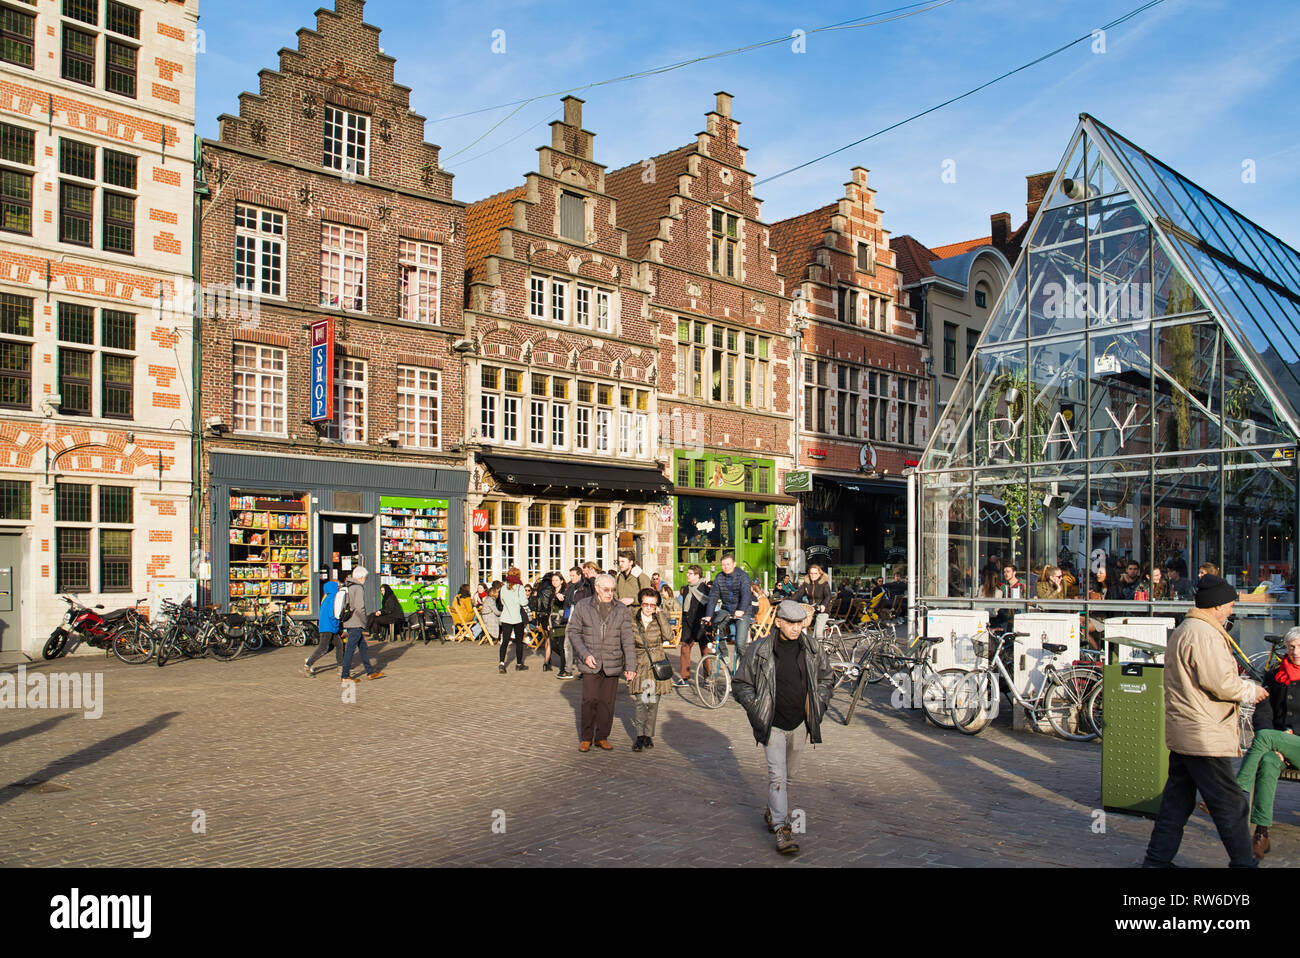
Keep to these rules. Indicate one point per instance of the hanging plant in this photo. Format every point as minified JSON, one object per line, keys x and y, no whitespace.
{"x":1021,"y":506}
{"x":1182,"y":300}
{"x":1026,"y":408}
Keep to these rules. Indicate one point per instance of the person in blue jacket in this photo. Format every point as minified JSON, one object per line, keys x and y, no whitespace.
{"x":329,"y":629}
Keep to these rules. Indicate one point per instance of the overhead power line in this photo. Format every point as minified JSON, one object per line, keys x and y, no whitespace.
{"x":961,"y":96}
{"x":857,"y":23}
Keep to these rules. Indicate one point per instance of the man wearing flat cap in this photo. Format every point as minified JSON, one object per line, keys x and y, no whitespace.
{"x":1202,"y":695}
{"x":784,"y":683}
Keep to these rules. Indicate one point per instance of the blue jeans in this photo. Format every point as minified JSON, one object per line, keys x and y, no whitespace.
{"x":355,"y":643}
{"x":1213,"y":778}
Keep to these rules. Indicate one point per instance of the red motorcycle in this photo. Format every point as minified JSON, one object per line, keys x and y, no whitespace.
{"x":82,"y":624}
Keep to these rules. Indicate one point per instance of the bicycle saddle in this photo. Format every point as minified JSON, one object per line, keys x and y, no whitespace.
{"x":1053,"y":647}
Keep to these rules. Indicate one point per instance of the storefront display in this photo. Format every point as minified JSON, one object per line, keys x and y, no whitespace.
{"x":270,"y":551}
{"x":413,"y":537}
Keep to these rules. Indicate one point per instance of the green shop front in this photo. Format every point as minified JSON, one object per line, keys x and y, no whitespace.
{"x":725,"y":503}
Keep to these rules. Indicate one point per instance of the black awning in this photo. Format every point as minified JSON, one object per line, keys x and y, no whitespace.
{"x":865,"y":485}
{"x":564,"y":474}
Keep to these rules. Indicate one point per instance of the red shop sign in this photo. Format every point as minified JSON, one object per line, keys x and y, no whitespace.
{"x":480,"y":520}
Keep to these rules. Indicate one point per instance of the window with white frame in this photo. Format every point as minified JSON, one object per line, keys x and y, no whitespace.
{"x":420,"y":266}
{"x":604,"y":417}
{"x":537,"y":409}
{"x":546,"y":411}
{"x":343,"y":267}
{"x":259,"y":250}
{"x":566,"y":301}
{"x":258,"y":389}
{"x":723,"y":364}
{"x":418,"y":406}
{"x":510,"y":402}
{"x":633,"y":421}
{"x":347,"y":137}
{"x":537,"y":297}
{"x":559,"y":412}
{"x":581,"y":547}
{"x":489,"y":402}
{"x":349,"y":422}
{"x":486,"y":550}
{"x":534,"y":564}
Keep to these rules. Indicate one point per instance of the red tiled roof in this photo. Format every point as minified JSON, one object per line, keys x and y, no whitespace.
{"x":641,"y":204}
{"x":965,"y":246}
{"x":795,"y":241}
{"x":483,"y":220}
{"x":913,"y":259}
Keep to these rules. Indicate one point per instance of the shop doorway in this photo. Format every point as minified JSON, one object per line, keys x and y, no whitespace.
{"x":11,"y":567}
{"x":343,"y":539}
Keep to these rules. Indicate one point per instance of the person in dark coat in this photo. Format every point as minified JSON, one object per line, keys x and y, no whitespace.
{"x":694,"y":600}
{"x":601,"y":632}
{"x":1277,"y":722}
{"x":390,"y":612}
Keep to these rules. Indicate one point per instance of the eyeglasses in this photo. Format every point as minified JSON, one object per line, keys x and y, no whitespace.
{"x":649,"y":605}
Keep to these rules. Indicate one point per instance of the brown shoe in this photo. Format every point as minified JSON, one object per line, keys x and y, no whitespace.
{"x":1259,"y":845}
{"x":375,"y":675}
{"x":604,"y":743}
{"x":767,"y":820}
{"x":785,"y":843}
{"x":584,"y":746}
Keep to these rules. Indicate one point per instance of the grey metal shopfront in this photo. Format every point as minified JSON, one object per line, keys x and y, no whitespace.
{"x":341,"y":506}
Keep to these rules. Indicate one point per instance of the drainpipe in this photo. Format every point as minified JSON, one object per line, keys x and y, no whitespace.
{"x":197,"y":482}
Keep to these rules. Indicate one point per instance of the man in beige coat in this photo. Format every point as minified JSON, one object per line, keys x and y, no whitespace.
{"x":1202,"y":695}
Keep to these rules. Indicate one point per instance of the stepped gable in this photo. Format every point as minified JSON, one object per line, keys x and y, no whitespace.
{"x":339,"y":63}
{"x":642,"y":198}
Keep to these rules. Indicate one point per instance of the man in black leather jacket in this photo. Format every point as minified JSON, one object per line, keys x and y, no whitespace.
{"x":784,"y":682}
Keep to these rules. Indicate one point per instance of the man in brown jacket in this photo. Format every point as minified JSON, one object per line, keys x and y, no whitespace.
{"x":1202,"y":694}
{"x":603,"y":646}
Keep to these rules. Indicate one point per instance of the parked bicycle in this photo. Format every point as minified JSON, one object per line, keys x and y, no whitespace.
{"x":1062,"y":699}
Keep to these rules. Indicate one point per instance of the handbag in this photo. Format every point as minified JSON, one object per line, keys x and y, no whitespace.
{"x":661,"y":668}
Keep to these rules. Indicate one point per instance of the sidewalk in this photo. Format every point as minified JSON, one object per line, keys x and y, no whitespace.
{"x":446,"y":762}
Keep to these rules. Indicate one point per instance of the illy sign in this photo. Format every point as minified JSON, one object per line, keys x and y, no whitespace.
{"x":322,"y":370}
{"x":480,"y":520}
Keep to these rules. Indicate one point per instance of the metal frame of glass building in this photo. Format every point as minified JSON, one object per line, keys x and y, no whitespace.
{"x":1135,"y":391}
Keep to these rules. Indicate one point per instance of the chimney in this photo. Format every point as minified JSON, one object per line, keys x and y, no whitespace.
{"x":724,"y":104}
{"x":1035,"y":190}
{"x":1000,"y":227}
{"x":572,"y":112}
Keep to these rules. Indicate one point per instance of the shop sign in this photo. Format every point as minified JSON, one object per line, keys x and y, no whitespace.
{"x":817,"y":453}
{"x":798,"y":482}
{"x":322,"y":370}
{"x":911,"y":463}
{"x":480,"y":520}
{"x":867,"y":457}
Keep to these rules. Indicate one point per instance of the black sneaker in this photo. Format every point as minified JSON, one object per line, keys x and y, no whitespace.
{"x":546,"y":667}
{"x":639,"y":743}
{"x":564,"y":674}
{"x":518,"y":668}
{"x":502,"y":668}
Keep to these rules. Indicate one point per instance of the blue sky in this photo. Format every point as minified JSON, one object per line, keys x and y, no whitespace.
{"x":1205,"y":85}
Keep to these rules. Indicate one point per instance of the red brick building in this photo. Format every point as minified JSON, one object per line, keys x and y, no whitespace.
{"x":721,"y":314}
{"x":561,"y":385}
{"x":864,"y":401}
{"x":323,"y":208}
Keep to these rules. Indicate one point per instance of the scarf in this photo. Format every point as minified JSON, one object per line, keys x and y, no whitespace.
{"x":1288,"y":673}
{"x":514,"y":580}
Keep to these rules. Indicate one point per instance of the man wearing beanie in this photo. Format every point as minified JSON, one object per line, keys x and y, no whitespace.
{"x":785,"y":682}
{"x":1202,"y":694}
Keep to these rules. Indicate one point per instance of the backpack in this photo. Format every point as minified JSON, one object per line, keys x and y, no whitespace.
{"x":342,"y":608}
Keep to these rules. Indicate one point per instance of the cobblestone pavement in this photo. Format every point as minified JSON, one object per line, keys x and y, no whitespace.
{"x":419,"y":770}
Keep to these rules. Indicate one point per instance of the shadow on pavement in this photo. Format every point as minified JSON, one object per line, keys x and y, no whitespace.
{"x":91,"y":754}
{"x":36,"y":729}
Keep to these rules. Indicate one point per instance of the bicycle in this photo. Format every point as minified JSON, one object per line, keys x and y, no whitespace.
{"x":133,"y":639}
{"x":1061,"y":700}
{"x":280,"y":629}
{"x":714,"y":671}
{"x":426,"y":627}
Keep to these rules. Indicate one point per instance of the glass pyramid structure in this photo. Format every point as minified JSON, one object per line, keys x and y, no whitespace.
{"x":1136,"y":394}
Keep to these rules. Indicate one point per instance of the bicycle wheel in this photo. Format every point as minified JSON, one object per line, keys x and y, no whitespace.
{"x":164,"y":650}
{"x":971,"y":710}
{"x":1065,"y":711}
{"x":295,"y":632}
{"x":713,"y":684}
{"x":226,"y":646}
{"x":883,"y":658}
{"x":1093,"y":709}
{"x":938,"y":693}
{"x":253,"y":636}
{"x":134,"y":645}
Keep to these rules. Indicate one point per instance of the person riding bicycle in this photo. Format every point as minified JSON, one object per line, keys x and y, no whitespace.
{"x":733,"y":596}
{"x":784,"y":681}
{"x":817,"y":593}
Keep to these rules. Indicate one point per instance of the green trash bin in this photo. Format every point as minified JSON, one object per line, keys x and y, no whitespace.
{"x":1134,"y":759}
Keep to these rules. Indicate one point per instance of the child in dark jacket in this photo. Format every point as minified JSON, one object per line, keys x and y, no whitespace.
{"x":329,"y":629}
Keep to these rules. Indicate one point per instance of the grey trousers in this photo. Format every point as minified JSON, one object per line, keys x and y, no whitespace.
{"x":783,"y":752}
{"x":647,"y":714}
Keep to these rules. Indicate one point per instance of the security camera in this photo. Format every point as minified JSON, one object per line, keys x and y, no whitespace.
{"x":216,"y":424}
{"x":393,"y":438}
